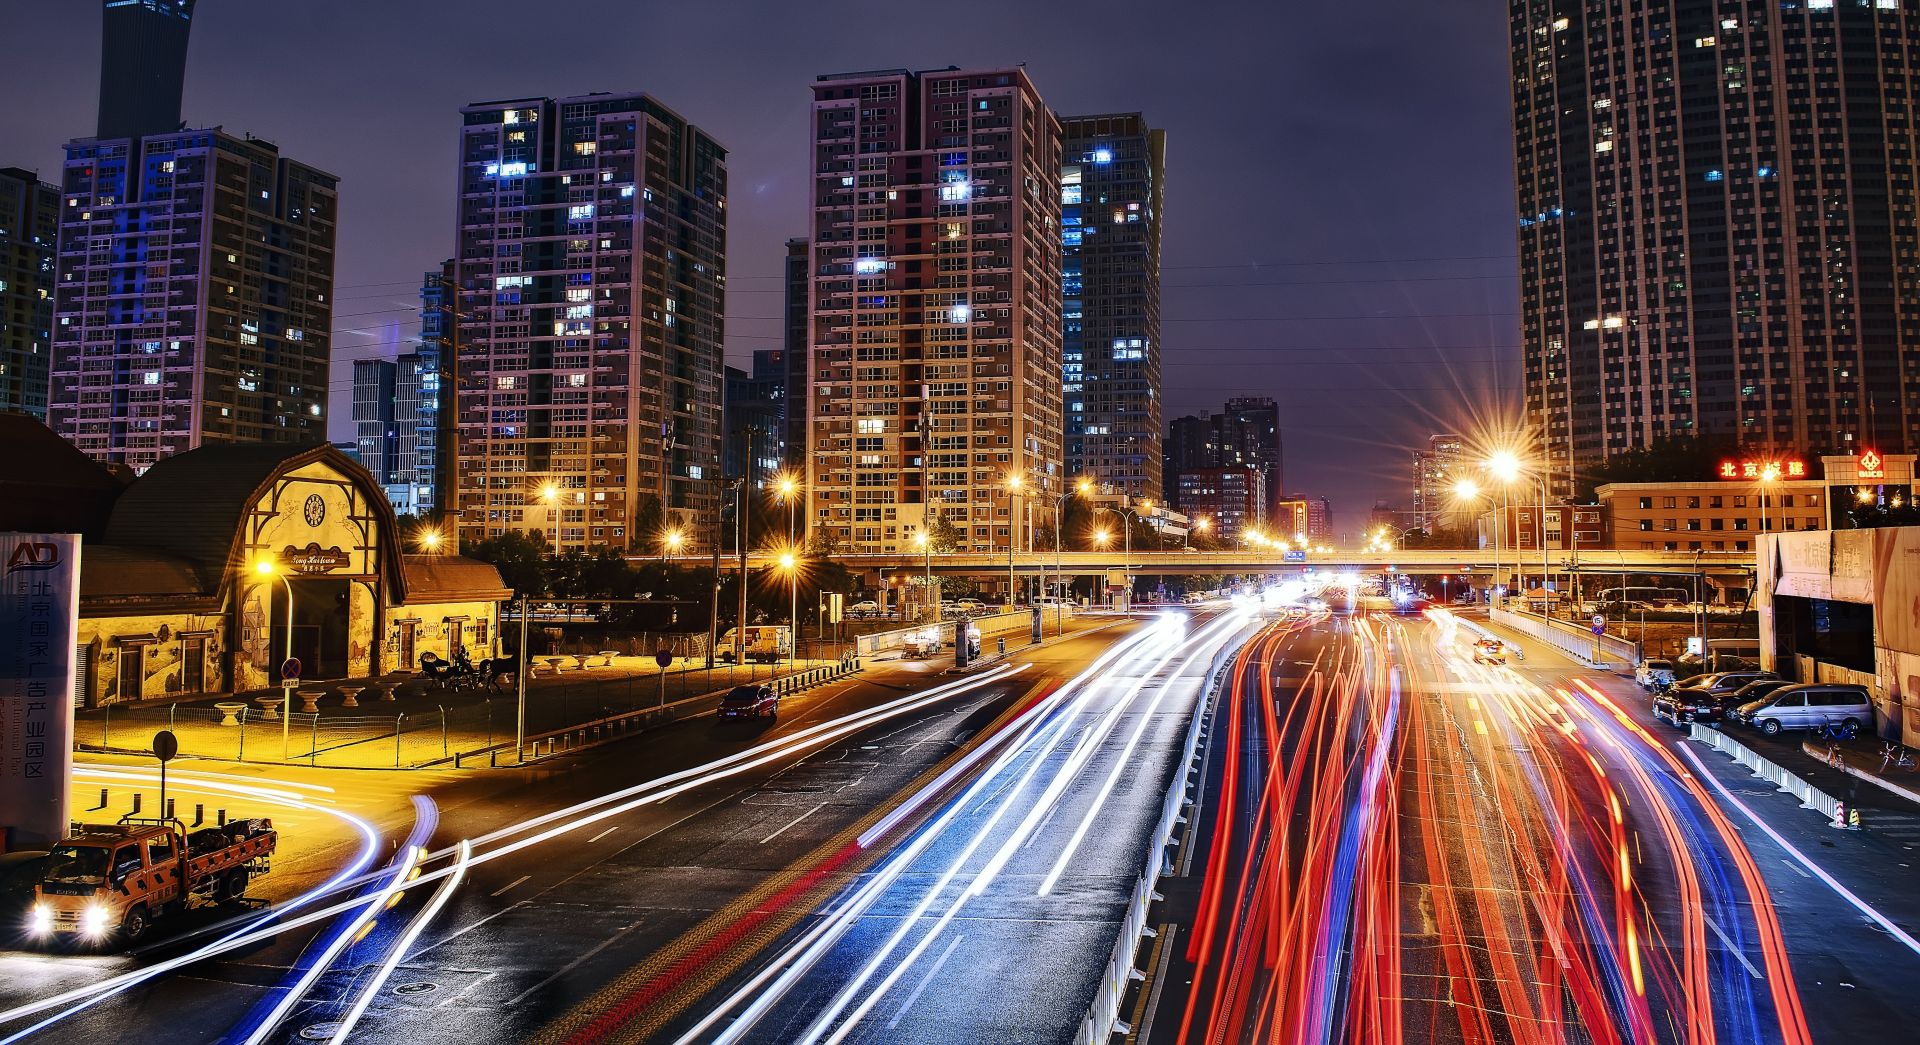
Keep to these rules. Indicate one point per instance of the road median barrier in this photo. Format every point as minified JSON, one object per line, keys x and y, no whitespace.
{"x":1790,"y":783}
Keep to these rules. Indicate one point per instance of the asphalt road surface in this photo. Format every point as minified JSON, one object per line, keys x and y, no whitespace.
{"x":1396,"y":843}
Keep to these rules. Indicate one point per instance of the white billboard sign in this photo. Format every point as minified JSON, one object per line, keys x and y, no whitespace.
{"x":39,"y":615}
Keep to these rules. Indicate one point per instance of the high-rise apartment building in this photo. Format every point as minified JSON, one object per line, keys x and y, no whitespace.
{"x":1435,"y":470}
{"x":934,"y":358}
{"x":194,"y":295}
{"x":374,"y":438}
{"x":1112,"y":186}
{"x":796,"y":322}
{"x":29,"y":228}
{"x":592,"y":262}
{"x":1717,"y":225}
{"x":1232,"y":500}
{"x":143,"y":66}
{"x":1191,"y":443}
{"x":756,"y":418}
{"x":1249,"y":435}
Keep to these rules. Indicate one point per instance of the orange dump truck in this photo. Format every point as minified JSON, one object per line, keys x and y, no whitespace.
{"x":114,"y":879}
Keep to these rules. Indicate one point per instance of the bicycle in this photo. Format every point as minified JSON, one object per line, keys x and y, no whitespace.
{"x":1895,"y":756}
{"x":1835,"y":736}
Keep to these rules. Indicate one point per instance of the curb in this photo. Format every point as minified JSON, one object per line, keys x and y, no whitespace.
{"x":1847,"y":767}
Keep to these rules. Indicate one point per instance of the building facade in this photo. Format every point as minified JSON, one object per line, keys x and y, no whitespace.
{"x":1246,"y":434}
{"x":1435,"y":470}
{"x":1518,"y":527}
{"x":592,"y":262}
{"x":934,"y":367}
{"x":194,"y":296}
{"x":29,"y":230}
{"x":1708,"y":516}
{"x":171,"y":603}
{"x":1717,"y":234}
{"x":1190,"y":444}
{"x":1112,"y":194}
{"x":375,"y":440}
{"x":795,"y":325}
{"x":1234,"y":499}
{"x":143,"y":66}
{"x":756,"y":418}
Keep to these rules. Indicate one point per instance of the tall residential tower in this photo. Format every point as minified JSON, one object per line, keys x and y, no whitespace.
{"x":934,"y":358}
{"x":1112,"y":187}
{"x":1717,"y":224}
{"x":591,"y":266}
{"x":29,"y":228}
{"x":195,"y":296}
{"x":143,"y":66}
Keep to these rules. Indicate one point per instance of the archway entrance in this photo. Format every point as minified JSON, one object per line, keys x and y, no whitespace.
{"x":321,"y":610}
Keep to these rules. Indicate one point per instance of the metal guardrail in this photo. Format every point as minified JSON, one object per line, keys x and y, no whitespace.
{"x":1103,"y":1015}
{"x":587,"y":734}
{"x":1568,"y":639}
{"x":1768,"y":770}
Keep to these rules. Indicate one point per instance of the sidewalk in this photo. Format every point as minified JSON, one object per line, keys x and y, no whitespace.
{"x":420,"y":725}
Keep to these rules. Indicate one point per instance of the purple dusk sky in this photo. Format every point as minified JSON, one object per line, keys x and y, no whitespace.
{"x":1339,"y":216}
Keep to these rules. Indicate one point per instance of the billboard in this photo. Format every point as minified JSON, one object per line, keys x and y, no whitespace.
{"x":39,"y":612}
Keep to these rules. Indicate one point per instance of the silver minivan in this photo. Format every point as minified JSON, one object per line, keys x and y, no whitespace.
{"x":1809,"y":706}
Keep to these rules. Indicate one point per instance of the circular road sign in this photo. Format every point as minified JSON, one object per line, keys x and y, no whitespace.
{"x":290,"y":668}
{"x":664,"y":658}
{"x":165,"y":745}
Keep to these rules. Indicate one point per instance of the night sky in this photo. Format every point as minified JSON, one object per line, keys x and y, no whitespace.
{"x":1339,"y":215}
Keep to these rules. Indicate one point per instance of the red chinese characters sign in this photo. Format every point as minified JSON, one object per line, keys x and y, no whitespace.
{"x":1758,"y":470}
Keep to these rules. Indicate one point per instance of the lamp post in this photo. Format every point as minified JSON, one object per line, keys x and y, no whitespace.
{"x":1468,"y":492}
{"x":551,"y":494}
{"x":673,"y":540}
{"x":1014,"y":485}
{"x":269,"y":568}
{"x":1769,"y":474}
{"x":791,"y":566}
{"x":1202,"y":523}
{"x":926,"y":592}
{"x":1082,"y":487}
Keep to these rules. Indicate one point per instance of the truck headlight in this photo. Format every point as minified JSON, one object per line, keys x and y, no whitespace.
{"x":41,"y":919}
{"x":93,"y":920}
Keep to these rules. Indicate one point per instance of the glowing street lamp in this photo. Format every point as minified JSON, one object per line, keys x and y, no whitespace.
{"x":1014,"y":485}
{"x":790,"y":565}
{"x":430,"y":541}
{"x":551,"y":494}
{"x":265,"y":567}
{"x":1769,"y":474}
{"x":673,"y":539}
{"x":926,"y":548}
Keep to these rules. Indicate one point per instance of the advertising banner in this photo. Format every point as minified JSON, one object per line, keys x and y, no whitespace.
{"x":39,"y":614}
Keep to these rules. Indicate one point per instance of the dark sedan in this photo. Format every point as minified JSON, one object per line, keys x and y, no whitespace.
{"x":1711,"y":702}
{"x":750,"y":702}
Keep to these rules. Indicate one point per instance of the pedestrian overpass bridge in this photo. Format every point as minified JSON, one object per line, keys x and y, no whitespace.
{"x":1479,"y":564}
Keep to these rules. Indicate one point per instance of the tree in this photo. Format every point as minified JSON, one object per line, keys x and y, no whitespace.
{"x":519,"y":556}
{"x":823,"y":543}
{"x":942,"y":535}
{"x":1667,"y":459}
{"x":648,"y":520}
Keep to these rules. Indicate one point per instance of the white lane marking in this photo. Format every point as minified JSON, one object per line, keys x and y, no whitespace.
{"x":1715,"y":926}
{"x":1818,"y":872}
{"x":1791,"y":866}
{"x":570,"y":966}
{"x":603,"y":834}
{"x":1043,"y":826}
{"x":790,"y":823}
{"x":510,"y":885}
{"x":932,"y":971}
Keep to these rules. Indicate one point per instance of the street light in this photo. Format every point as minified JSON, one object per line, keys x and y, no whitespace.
{"x":1014,"y":486}
{"x":1769,"y":474}
{"x":673,"y":540}
{"x":926,"y":547}
{"x":791,"y":566}
{"x":269,"y":568}
{"x":1201,"y":523}
{"x":430,"y":540}
{"x":551,"y":494}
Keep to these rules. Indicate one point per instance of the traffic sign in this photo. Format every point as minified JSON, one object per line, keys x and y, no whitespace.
{"x":290,"y":669}
{"x":664,"y":658}
{"x":1294,"y":556}
{"x":165,"y":745}
{"x":1599,"y":624}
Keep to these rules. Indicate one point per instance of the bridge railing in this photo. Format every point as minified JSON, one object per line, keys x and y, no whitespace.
{"x":1576,"y":642}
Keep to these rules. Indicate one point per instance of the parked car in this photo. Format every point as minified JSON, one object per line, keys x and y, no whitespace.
{"x":1489,"y":651}
{"x":866,"y":608}
{"x":1707,"y":698}
{"x":1809,"y":706}
{"x":968,"y":606}
{"x":750,"y":701}
{"x":1653,"y":674}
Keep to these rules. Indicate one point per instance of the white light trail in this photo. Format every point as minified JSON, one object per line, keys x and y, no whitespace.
{"x":406,"y":942}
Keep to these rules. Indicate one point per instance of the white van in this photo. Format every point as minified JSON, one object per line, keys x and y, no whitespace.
{"x":762,"y":642}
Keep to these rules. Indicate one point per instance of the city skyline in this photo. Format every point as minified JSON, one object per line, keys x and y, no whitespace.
{"x":398,"y":196}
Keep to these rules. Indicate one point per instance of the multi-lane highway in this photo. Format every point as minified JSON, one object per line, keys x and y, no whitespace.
{"x":1388,"y":842}
{"x":1399,"y":844}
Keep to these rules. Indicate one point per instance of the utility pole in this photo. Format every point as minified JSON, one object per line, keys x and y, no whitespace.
{"x":719,"y":528}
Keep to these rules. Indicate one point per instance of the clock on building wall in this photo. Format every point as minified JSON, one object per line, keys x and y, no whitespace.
{"x":315,"y":509}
